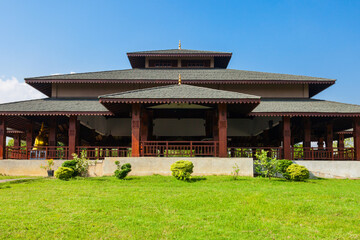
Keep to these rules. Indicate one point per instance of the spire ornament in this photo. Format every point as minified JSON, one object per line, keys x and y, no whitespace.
{"x":179,"y":79}
{"x":179,"y":44}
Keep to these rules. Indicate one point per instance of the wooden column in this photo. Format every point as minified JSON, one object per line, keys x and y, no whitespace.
{"x":222,"y":125}
{"x":52,"y":131}
{"x":144,"y":128}
{"x":150,"y":125}
{"x":208,"y":123}
{"x":329,"y":135}
{"x":286,"y":138}
{"x":17,"y":140}
{"x":29,"y":135}
{"x":135,"y":130}
{"x":356,"y":135}
{"x":321,"y":143}
{"x":341,"y":138}
{"x":307,"y":132}
{"x":2,"y":138}
{"x":72,"y":134}
{"x":215,"y":127}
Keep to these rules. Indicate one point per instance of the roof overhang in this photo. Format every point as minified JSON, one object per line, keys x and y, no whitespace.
{"x":44,"y":85}
{"x":303,"y":114}
{"x":52,"y":113}
{"x":179,"y":100}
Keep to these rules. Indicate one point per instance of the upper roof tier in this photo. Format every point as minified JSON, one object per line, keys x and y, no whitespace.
{"x":169,"y":75}
{"x":219,"y":59}
{"x":171,"y":52}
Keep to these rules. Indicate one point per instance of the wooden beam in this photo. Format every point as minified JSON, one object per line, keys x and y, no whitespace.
{"x":72,"y":134}
{"x":307,"y":132}
{"x":2,"y":138}
{"x":222,"y":125}
{"x":356,"y":135}
{"x":135,"y":130}
{"x":286,"y":137}
{"x":52,"y":131}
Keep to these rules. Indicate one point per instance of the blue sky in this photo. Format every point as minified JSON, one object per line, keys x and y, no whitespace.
{"x":315,"y":38}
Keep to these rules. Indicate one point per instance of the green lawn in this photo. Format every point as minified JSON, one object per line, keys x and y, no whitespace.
{"x":158,"y":207}
{"x":14,"y":177}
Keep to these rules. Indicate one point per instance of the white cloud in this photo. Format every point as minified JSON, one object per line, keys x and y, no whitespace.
{"x":12,"y":90}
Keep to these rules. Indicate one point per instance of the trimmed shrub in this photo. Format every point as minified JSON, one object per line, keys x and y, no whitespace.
{"x":71,"y":164}
{"x":283,"y":165}
{"x":296,"y":172}
{"x":182,"y":170}
{"x":64,"y":173}
{"x":122,"y":171}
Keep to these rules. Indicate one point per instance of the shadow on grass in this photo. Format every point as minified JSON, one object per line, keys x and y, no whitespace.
{"x":196,"y":179}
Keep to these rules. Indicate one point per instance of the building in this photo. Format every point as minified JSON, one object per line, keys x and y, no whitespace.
{"x":179,"y":102}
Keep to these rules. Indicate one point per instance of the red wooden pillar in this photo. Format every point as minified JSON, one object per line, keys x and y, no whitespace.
{"x":329,"y":135}
{"x":307,"y":137}
{"x":72,"y":134}
{"x":222,"y":125}
{"x":150,"y":125}
{"x":307,"y":132}
{"x":2,"y":138}
{"x":341,"y":139}
{"x":208,"y":123}
{"x":52,"y":131}
{"x":135,"y":130}
{"x":215,"y":127}
{"x":341,"y":146}
{"x":144,"y":128}
{"x":321,"y":143}
{"x":29,"y":135}
{"x":17,"y":140}
{"x":356,"y":135}
{"x":286,"y":137}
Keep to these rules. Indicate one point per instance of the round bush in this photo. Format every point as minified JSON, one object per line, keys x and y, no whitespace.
{"x":123,"y":171}
{"x":283,"y":165}
{"x":64,"y":173}
{"x":182,"y":170}
{"x":297,"y":172}
{"x":71,"y":164}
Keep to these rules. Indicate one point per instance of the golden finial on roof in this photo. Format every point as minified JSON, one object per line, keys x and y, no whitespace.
{"x":179,"y":44}
{"x":179,"y":79}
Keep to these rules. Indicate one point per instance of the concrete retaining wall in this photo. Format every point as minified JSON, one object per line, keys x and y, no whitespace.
{"x":202,"y":166}
{"x":161,"y":165}
{"x":332,"y":169}
{"x":140,"y":166}
{"x":33,"y":167}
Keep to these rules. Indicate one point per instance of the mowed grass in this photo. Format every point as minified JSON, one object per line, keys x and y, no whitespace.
{"x":158,"y":207}
{"x":2,"y":177}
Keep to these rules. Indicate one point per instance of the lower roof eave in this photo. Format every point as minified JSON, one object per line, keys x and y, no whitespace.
{"x":187,"y":100}
{"x":303,"y":114}
{"x":56,"y":113}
